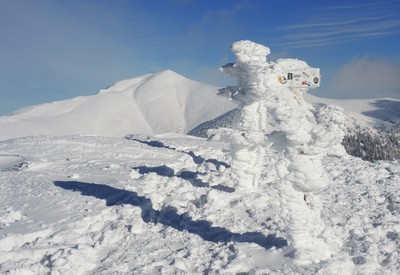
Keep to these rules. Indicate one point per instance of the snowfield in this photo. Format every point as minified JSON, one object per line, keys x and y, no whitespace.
{"x":166,"y":205}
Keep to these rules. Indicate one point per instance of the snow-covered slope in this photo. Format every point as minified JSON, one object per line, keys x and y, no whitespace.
{"x":364,"y":113}
{"x":150,"y":104}
{"x":159,"y":103}
{"x":98,"y":205}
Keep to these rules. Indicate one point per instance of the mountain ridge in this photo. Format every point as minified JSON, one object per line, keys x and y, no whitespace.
{"x":148,"y":104}
{"x":160,"y":103}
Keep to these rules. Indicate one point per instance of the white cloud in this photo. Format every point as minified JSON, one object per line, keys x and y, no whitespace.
{"x":367,"y":78}
{"x":337,"y":24}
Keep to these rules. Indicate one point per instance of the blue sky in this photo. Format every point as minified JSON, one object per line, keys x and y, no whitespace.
{"x":53,"y":50}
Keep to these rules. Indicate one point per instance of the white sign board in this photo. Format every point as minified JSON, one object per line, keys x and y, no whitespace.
{"x":308,"y":78}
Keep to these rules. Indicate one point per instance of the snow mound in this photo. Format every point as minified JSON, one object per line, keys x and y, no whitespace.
{"x":150,"y":104}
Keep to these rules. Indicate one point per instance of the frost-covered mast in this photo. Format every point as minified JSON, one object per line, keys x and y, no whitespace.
{"x":248,"y":141}
{"x":271,"y":104}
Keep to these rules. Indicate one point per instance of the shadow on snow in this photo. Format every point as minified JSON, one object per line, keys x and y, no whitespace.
{"x":387,"y":110}
{"x":192,"y":177}
{"x":169,"y":215}
{"x":166,"y":171}
{"x":196,"y":158}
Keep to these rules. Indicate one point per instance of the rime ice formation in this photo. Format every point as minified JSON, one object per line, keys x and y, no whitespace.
{"x":279,"y":126}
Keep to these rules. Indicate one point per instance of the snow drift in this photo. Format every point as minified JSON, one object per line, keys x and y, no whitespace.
{"x":150,"y":104}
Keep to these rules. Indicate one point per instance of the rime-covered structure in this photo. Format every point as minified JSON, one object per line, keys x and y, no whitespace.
{"x":278,"y":128}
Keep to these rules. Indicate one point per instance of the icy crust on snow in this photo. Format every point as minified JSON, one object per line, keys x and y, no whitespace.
{"x":168,"y":205}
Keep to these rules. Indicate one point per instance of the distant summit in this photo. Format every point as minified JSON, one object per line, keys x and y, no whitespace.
{"x":149,"y":104}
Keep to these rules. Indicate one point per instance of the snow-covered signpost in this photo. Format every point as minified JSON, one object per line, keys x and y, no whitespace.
{"x":275,"y":120}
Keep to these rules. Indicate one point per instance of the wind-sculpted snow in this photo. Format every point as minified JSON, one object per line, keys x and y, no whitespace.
{"x":97,"y":205}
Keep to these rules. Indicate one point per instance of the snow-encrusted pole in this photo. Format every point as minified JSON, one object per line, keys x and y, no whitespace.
{"x":248,"y":141}
{"x":266,"y":102}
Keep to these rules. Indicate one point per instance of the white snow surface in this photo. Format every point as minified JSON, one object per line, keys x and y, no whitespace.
{"x":166,"y":205}
{"x":150,"y":104}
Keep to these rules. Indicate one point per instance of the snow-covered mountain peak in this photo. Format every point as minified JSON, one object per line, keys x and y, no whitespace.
{"x":170,"y":75}
{"x":124,"y":84}
{"x":149,"y":104}
{"x":158,"y":103}
{"x":166,"y":76}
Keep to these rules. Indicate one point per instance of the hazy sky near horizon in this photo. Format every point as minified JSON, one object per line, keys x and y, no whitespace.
{"x":54,"y":50}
